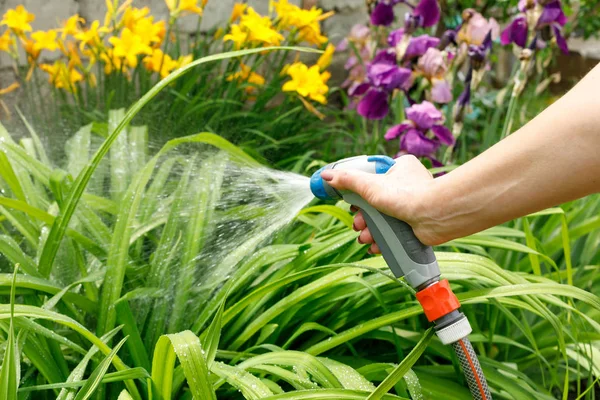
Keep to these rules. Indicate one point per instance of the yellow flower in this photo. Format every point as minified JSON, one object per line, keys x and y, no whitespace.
{"x":90,"y":37}
{"x":112,"y":12}
{"x":129,"y":46}
{"x":306,"y":21}
{"x":160,"y":62}
{"x":32,"y":52}
{"x":237,"y":36}
{"x":18,"y":20}
{"x":6,"y":41}
{"x":10,"y":88}
{"x":61,"y":76}
{"x":112,"y":63}
{"x":307,"y":82}
{"x":325,"y":60}
{"x":259,"y":28}
{"x":184,"y":60}
{"x":149,"y":31}
{"x":238,"y":11}
{"x":132,"y":15}
{"x":176,"y":7}
{"x":72,"y":54}
{"x":247,"y":75}
{"x":45,"y":40}
{"x":71,"y":26}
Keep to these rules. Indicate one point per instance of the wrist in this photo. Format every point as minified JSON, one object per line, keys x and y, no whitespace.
{"x":429,"y":212}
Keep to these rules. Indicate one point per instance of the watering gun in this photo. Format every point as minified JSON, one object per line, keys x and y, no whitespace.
{"x":406,"y":256}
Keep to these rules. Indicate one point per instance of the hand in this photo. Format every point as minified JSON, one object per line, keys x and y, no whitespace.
{"x":403,"y":192}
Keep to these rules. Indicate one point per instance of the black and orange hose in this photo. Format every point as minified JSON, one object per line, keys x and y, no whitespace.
{"x":472,"y":370}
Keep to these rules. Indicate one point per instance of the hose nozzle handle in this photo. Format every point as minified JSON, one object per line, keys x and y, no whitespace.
{"x":402,"y":250}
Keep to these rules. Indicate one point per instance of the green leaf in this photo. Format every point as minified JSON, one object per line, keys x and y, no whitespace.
{"x":11,"y":368}
{"x":403,"y":367}
{"x":186,"y":346}
{"x":95,"y":379}
{"x":210,"y":341}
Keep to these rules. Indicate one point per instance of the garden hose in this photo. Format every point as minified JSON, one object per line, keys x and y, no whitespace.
{"x":406,"y":256}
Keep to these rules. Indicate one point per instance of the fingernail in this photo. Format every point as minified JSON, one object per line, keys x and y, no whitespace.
{"x":354,"y":227}
{"x":370,"y":251}
{"x":327,"y":175}
{"x":358,"y":240}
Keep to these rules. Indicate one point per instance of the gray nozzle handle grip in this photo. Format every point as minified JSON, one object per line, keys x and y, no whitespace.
{"x":402,"y":251}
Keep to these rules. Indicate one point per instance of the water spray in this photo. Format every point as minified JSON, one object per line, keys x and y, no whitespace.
{"x":406,"y":256}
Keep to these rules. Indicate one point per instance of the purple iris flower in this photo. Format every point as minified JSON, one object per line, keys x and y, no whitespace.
{"x":383,"y":14}
{"x":478,"y":54}
{"x":551,"y":16}
{"x":429,"y":13}
{"x":417,"y":46}
{"x":374,"y":105}
{"x":383,"y":76}
{"x":422,"y":119}
{"x":515,"y":32}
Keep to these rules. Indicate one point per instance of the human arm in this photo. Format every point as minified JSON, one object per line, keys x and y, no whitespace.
{"x":553,"y":159}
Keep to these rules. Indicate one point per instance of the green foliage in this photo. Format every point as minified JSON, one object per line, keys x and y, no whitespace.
{"x":305,"y":315}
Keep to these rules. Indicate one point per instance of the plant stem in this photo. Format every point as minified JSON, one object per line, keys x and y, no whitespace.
{"x":512,"y":106}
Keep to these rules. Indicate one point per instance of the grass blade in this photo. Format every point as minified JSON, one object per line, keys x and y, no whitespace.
{"x":11,"y":371}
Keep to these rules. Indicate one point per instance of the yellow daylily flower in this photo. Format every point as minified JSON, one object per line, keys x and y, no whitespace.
{"x":112,"y":12}
{"x":129,"y":46}
{"x":184,"y":60}
{"x":61,"y":76}
{"x":7,"y":41}
{"x":151,"y":32}
{"x":325,"y":60}
{"x":176,"y":7}
{"x":71,"y":26}
{"x":307,"y":22}
{"x":32,"y":52}
{"x":259,"y":28}
{"x":72,"y":53}
{"x":45,"y":40}
{"x":247,"y":75}
{"x":132,"y":15}
{"x":238,"y":11}
{"x":237,"y":36}
{"x":160,"y":62}
{"x":307,"y":82}
{"x":90,"y":37}
{"x":18,"y":20}
{"x":113,"y":63}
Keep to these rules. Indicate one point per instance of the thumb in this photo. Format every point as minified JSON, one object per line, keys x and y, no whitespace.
{"x":353,"y":180}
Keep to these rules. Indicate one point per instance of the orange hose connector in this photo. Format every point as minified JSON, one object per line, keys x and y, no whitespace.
{"x":438,"y":300}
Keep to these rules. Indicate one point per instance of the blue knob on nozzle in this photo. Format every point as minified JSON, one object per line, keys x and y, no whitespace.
{"x":317,"y":185}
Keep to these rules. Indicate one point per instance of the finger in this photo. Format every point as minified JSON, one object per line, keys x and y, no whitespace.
{"x":353,"y":180}
{"x":359,"y":222}
{"x":365,"y":237}
{"x":374,"y":249}
{"x":354,"y":209}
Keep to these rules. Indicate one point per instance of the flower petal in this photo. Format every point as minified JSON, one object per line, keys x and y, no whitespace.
{"x":397,"y":130}
{"x":424,"y":115}
{"x":374,"y":105}
{"x":440,"y":91}
{"x":560,"y":40}
{"x":414,"y":142}
{"x":395,"y":37}
{"x":357,"y":89}
{"x":419,"y":45}
{"x":383,"y":14}
{"x":551,"y":13}
{"x":429,"y":11}
{"x":515,"y":32}
{"x":443,"y":134}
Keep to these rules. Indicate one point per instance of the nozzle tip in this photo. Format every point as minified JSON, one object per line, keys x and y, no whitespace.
{"x":317,"y":185}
